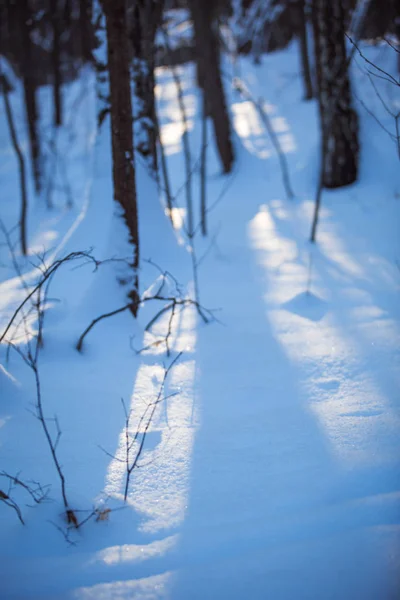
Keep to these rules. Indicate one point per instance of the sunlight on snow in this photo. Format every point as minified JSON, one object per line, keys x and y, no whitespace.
{"x":182,"y":336}
{"x":333,"y":248}
{"x":171,"y":136}
{"x":372,"y":269}
{"x":45,"y":244}
{"x":135,"y":553}
{"x":349,"y":404}
{"x":149,"y":588}
{"x":41,"y":242}
{"x":275,"y":250}
{"x":172,"y":127}
{"x":12,"y":293}
{"x":250,"y":128}
{"x":159,"y":488}
{"x":177,"y":216}
{"x":7,"y":376}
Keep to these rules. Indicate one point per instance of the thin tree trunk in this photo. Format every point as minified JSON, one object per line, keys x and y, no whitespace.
{"x":303,"y":43}
{"x":147,"y":15}
{"x":339,"y":122}
{"x":56,"y":61}
{"x":85,"y":18}
{"x":397,"y":30}
{"x":21,"y":163}
{"x":203,"y":169}
{"x":122,"y":129}
{"x":30,"y":90}
{"x":164,"y":168}
{"x":185,"y":141}
{"x":209,"y":76}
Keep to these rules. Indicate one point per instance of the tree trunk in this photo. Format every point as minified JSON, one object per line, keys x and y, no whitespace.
{"x":85,"y":18}
{"x":21,"y":164}
{"x":147,"y":16}
{"x":56,"y":61}
{"x":209,"y":76}
{"x":203,"y":168}
{"x":379,"y":18}
{"x":30,"y":90}
{"x":301,"y":24}
{"x":397,"y":29}
{"x":339,"y":122}
{"x":122,"y":129}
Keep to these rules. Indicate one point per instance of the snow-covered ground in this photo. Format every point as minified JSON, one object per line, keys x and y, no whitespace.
{"x":273,"y":469}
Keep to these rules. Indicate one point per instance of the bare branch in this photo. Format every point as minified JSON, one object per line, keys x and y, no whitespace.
{"x":131,"y":464}
{"x":37,"y":492}
{"x":384,"y":75}
{"x":48,"y":274}
{"x":97,"y":319}
{"x":12,"y":504}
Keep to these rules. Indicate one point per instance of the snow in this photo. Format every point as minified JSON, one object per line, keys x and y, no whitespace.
{"x":272,"y":469}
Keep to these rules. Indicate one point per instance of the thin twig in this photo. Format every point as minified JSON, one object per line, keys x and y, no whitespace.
{"x":97,"y":319}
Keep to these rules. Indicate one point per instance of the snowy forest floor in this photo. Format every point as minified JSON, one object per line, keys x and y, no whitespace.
{"x":273,"y":470}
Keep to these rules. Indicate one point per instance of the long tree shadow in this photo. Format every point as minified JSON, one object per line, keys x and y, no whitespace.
{"x":262,"y":465}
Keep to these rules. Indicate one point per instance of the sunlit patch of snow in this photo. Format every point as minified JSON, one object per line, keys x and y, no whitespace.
{"x":55,"y":230}
{"x":149,"y":588}
{"x":246,"y":119}
{"x":314,"y":337}
{"x":278,"y":209}
{"x":171,"y":136}
{"x":287,"y":143}
{"x":159,"y":488}
{"x":177,"y":216}
{"x":280,"y":125}
{"x":273,"y":250}
{"x":250,"y":128}
{"x":182,"y":338}
{"x":23,"y":329}
{"x":12,"y":291}
{"x":172,"y":125}
{"x":42,"y":241}
{"x":334,"y":249}
{"x":11,"y":378}
{"x":132,"y":553}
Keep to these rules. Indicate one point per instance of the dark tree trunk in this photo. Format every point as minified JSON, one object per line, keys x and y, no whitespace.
{"x":122,"y":129}
{"x":30,"y":91}
{"x":397,"y":29}
{"x":147,"y":15}
{"x":21,"y":164}
{"x":209,"y":76}
{"x":85,"y":19}
{"x":56,"y":61}
{"x":203,"y":168}
{"x":301,"y":24}
{"x":379,"y":18}
{"x":339,"y":123}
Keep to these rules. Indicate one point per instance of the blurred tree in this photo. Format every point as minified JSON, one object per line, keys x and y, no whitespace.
{"x":146,"y":18}
{"x":379,"y":18}
{"x":339,"y":122}
{"x":30,"y":86}
{"x":86,"y":34}
{"x":122,"y":129}
{"x":56,"y":59}
{"x":300,"y":21}
{"x":205,"y":21}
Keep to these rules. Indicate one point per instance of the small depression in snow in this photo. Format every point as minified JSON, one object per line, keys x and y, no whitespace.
{"x":307,"y":305}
